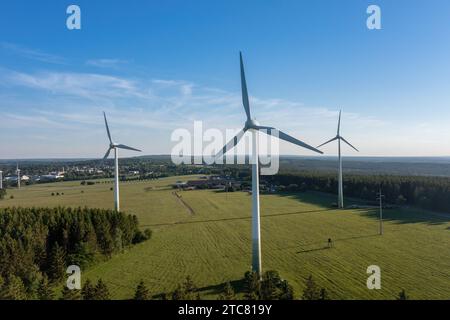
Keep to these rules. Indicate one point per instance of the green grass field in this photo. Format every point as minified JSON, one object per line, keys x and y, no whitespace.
{"x":213,"y":244}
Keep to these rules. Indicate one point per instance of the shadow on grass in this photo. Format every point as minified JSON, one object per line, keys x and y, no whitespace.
{"x":324,"y":244}
{"x":238,"y":287}
{"x":399,"y":215}
{"x":406,"y":216}
{"x":237,"y":218}
{"x":312,"y":250}
{"x":324,"y":201}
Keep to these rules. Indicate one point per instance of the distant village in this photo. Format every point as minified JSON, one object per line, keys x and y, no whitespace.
{"x":53,"y":176}
{"x":46,"y":173}
{"x":222,"y":182}
{"x":49,"y":177}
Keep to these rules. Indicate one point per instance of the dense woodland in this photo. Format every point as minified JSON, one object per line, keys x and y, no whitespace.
{"x":37,"y":244}
{"x":425,"y":192}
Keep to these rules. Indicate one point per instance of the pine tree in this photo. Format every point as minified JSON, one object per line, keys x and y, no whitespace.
{"x":252,"y":286}
{"x":101,"y":291}
{"x":57,"y":265}
{"x":13,"y":289}
{"x":179,"y":293}
{"x":44,"y":292}
{"x":142,"y":292}
{"x":227,"y":293}
{"x":190,"y":289}
{"x":287,"y":291}
{"x":311,"y":292}
{"x":271,"y":285}
{"x":402,"y":295}
{"x":324,"y":294}
{"x":68,"y":294}
{"x":118,"y":242}
{"x":88,"y":291}
{"x":186,"y":291}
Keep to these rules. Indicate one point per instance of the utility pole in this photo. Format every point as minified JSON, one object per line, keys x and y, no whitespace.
{"x":380,"y":197}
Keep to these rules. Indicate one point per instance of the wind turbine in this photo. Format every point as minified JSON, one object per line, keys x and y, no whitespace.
{"x":1,"y":179}
{"x":115,"y":147}
{"x":18,"y":175}
{"x":338,"y":137}
{"x":254,"y":127}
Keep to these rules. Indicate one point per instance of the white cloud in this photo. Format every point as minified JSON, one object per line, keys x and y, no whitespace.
{"x":32,"y":54}
{"x":106,"y":63}
{"x":83,"y":85}
{"x":145,"y":111}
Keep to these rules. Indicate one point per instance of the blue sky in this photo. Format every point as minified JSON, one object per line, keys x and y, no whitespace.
{"x":155,"y":66}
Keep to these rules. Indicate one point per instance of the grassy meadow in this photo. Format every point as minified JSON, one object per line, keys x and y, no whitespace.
{"x":213,"y":243}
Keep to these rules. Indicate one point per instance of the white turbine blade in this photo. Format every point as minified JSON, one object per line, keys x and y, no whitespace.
{"x":331,"y":140}
{"x":107,"y":154}
{"x":245,"y":100}
{"x":107,"y":127}
{"x":231,"y":144}
{"x":288,"y":138}
{"x":349,"y":144}
{"x":122,"y":146}
{"x":339,"y":123}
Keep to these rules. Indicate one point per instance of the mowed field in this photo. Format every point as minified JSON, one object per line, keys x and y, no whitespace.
{"x":207,"y":235}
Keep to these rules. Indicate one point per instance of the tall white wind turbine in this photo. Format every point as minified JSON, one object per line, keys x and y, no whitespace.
{"x":338,"y":137}
{"x":18,"y":175}
{"x":115,"y":147}
{"x":254,"y":127}
{"x":1,"y":179}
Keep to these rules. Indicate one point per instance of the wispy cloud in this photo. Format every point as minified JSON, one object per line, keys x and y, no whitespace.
{"x":146,"y":110}
{"x":106,"y":63}
{"x":172,"y":99}
{"x":32,"y":54}
{"x":83,"y":85}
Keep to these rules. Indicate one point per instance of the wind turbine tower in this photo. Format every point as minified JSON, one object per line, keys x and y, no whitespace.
{"x":253,"y":127}
{"x":338,"y":137}
{"x":18,"y":175}
{"x":115,"y":147}
{"x":1,"y":179}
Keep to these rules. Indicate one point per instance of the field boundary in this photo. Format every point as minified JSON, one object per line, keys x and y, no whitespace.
{"x":181,"y":200}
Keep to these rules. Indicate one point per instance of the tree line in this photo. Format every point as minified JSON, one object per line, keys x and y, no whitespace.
{"x":37,"y":244}
{"x":425,"y":192}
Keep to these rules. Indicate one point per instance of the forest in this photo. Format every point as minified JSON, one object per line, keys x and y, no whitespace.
{"x":37,"y":244}
{"x":421,"y":191}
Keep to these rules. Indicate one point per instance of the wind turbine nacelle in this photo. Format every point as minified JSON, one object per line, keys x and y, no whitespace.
{"x":251,"y":123}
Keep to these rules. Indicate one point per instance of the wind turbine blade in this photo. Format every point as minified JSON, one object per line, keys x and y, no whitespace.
{"x":107,"y":154}
{"x":122,"y":146}
{"x":349,"y":144}
{"x":107,"y":127}
{"x":231,"y":144}
{"x":339,"y":123}
{"x":288,"y":138}
{"x":245,"y":100}
{"x":331,"y":140}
